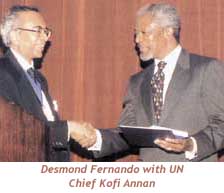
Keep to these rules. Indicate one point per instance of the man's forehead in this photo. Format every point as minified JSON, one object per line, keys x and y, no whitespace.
{"x":144,"y":21}
{"x":31,"y":18}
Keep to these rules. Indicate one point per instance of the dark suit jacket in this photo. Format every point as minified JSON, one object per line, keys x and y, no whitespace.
{"x":194,"y":101}
{"x":15,"y":87}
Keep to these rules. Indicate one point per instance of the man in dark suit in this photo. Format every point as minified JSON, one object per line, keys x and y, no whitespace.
{"x":25,"y":33}
{"x":179,"y":90}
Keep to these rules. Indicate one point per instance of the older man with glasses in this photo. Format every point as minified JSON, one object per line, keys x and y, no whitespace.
{"x":25,"y":33}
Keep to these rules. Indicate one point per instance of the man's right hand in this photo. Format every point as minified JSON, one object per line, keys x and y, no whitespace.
{"x":83,"y":133}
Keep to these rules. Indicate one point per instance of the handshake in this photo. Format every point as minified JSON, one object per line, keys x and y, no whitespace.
{"x":83,"y":133}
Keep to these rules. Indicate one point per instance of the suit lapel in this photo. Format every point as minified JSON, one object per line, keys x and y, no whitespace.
{"x":29,"y":100}
{"x":177,"y":85}
{"x":44,"y":88}
{"x":146,"y":93}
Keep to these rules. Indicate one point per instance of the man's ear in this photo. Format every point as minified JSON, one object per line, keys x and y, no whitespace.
{"x":14,"y":37}
{"x":168,"y":32}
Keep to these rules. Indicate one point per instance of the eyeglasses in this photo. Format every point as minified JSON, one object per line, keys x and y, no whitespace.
{"x":39,"y":30}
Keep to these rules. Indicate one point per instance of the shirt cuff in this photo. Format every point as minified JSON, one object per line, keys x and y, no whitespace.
{"x":68,"y":126}
{"x":97,"y":146}
{"x":192,"y":154}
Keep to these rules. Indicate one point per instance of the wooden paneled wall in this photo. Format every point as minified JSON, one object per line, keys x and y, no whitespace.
{"x":92,"y":50}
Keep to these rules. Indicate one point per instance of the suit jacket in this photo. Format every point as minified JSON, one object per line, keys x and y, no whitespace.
{"x":194,"y":101}
{"x":15,"y":87}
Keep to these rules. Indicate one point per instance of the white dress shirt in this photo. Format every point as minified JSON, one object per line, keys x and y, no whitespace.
{"x":25,"y":66}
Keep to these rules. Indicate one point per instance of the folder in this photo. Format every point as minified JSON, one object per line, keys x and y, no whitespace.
{"x":145,"y":136}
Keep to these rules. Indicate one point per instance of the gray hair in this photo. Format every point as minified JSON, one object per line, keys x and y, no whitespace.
{"x":164,"y":15}
{"x":10,"y":20}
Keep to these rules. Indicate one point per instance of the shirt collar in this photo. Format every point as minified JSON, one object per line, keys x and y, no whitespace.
{"x":22,"y":61}
{"x":172,"y":57}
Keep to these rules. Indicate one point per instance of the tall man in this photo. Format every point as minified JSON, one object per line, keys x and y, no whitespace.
{"x":25,"y":33}
{"x":180,"y":90}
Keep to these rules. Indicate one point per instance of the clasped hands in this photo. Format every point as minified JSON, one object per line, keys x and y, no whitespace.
{"x":83,"y":133}
{"x":175,"y":145}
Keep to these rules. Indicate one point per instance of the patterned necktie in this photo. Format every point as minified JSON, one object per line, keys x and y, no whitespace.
{"x":35,"y":83}
{"x":157,"y":84}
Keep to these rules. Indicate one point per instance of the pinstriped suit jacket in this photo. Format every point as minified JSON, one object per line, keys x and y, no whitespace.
{"x":194,"y":101}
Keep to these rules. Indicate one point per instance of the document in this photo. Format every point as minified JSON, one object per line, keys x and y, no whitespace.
{"x":145,"y":136}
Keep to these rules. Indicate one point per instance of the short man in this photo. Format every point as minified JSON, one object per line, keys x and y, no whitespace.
{"x":180,"y":90}
{"x":25,"y":33}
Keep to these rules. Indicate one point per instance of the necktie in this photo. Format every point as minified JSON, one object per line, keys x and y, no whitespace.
{"x":157,"y":84}
{"x":30,"y":71}
{"x":35,"y":84}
